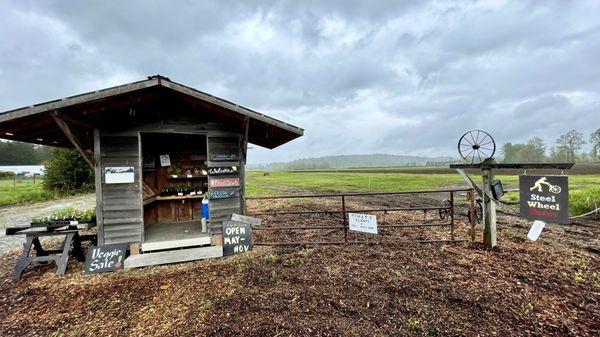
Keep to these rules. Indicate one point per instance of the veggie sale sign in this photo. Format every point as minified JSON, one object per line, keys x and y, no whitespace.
{"x":105,"y":258}
{"x":545,"y":198}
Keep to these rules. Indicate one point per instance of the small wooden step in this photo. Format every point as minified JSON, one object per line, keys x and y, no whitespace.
{"x":173,"y":256}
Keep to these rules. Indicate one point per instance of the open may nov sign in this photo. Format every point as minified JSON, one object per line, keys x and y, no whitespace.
{"x":237,"y":237}
{"x":545,"y":198}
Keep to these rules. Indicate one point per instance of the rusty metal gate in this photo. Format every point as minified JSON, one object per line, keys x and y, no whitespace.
{"x":334,"y":228}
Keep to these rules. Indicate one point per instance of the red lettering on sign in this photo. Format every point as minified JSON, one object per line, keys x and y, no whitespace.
{"x":548,"y":214}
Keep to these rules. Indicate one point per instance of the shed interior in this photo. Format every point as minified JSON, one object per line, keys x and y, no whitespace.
{"x":175,"y":181}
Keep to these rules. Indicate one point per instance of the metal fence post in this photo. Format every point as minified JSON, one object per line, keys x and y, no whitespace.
{"x":452,"y":216}
{"x":344,"y":222}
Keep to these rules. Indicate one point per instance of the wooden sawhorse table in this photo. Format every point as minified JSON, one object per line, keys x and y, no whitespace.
{"x":60,"y":256}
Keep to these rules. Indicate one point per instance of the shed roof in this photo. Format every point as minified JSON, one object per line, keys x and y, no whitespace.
{"x":85,"y":112}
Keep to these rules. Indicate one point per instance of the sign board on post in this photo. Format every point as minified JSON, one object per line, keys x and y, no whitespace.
{"x":365,"y":223}
{"x":105,"y":258}
{"x":545,"y":198}
{"x":237,"y":237}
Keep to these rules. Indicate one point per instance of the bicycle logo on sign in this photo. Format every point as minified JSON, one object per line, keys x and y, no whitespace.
{"x":544,"y":181}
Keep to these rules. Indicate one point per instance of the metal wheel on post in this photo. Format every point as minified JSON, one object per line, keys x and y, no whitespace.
{"x":476,"y":146}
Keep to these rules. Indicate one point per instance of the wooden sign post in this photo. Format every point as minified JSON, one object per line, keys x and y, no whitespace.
{"x":485,"y":192}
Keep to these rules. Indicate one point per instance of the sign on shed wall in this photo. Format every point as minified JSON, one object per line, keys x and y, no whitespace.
{"x":365,"y":223}
{"x":223,"y":182}
{"x":545,"y":198}
{"x":105,"y":258}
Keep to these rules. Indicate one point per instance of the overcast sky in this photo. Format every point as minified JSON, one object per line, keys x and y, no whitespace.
{"x":359,"y":76}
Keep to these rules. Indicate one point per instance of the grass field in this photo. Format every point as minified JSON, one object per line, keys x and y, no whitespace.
{"x":584,"y":189}
{"x":21,"y":191}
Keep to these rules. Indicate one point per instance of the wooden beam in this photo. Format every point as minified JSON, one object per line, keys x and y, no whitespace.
{"x":246,"y":131}
{"x":67,"y":131}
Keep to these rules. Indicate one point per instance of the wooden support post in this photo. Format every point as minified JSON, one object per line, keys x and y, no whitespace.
{"x":345,"y":222}
{"x":67,"y":131}
{"x":489,"y":210}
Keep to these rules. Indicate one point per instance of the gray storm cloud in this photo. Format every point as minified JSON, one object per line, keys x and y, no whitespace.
{"x":359,"y":76}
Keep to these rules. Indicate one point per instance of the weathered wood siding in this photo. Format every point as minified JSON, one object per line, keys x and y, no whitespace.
{"x":221,"y":209}
{"x":121,"y":215}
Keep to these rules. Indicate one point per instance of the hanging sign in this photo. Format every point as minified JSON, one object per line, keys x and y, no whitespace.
{"x":237,"y":237}
{"x":536,"y":230}
{"x":545,"y":198}
{"x":223,"y":182}
{"x":223,"y":157}
{"x":222,"y":170}
{"x":119,"y":175}
{"x":221,"y":193}
{"x":165,"y":160}
{"x":105,"y":258}
{"x":365,"y":223}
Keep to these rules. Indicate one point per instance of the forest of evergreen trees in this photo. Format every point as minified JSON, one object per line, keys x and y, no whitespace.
{"x":17,"y":153}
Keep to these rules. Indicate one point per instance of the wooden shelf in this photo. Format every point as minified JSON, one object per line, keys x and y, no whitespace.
{"x":172,"y":198}
{"x":184,"y":177}
{"x":179,"y":197}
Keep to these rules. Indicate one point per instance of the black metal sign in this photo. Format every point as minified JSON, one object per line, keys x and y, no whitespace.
{"x":237,"y":237}
{"x":105,"y":258}
{"x":545,"y":198}
{"x":222,"y":170}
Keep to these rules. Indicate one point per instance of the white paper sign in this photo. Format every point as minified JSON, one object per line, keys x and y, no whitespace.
{"x":165,"y":160}
{"x":365,"y":223}
{"x":536,"y":230}
{"x":119,"y":175}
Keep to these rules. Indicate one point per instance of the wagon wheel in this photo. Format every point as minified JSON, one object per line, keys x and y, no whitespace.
{"x":476,"y":146}
{"x":555,"y":189}
{"x":443,"y":212}
{"x":478,"y":213}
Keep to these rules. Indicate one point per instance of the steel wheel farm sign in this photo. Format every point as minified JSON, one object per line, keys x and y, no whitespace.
{"x":545,"y":198}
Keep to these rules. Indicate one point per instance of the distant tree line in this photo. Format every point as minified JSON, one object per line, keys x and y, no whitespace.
{"x":17,"y":153}
{"x":566,"y":149}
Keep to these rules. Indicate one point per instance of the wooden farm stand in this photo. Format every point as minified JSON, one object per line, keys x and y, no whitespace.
{"x":487,"y":169}
{"x":155,"y":135}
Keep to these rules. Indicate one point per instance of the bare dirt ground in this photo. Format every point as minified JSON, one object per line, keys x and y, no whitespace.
{"x":21,"y":215}
{"x":546,"y":288}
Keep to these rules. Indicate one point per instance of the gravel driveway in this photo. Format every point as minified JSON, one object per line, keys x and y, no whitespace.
{"x":20,"y":215}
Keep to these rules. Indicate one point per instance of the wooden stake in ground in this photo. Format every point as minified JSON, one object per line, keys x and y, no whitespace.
{"x":489,"y":209}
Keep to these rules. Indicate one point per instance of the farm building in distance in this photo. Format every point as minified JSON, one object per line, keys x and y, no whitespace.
{"x":157,"y":147}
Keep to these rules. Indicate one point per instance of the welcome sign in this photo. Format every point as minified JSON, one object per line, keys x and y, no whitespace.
{"x":545,"y":198}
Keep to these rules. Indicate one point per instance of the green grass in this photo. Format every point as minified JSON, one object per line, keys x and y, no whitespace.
{"x":22,"y":191}
{"x":584,"y":189}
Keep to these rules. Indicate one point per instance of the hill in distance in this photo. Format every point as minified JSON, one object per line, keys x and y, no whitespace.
{"x":354,"y":161}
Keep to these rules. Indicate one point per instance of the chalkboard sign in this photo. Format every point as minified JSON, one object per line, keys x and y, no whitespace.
{"x":237,"y":237}
{"x":105,"y":258}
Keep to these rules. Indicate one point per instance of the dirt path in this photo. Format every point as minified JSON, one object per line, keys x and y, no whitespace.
{"x":22,"y":214}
